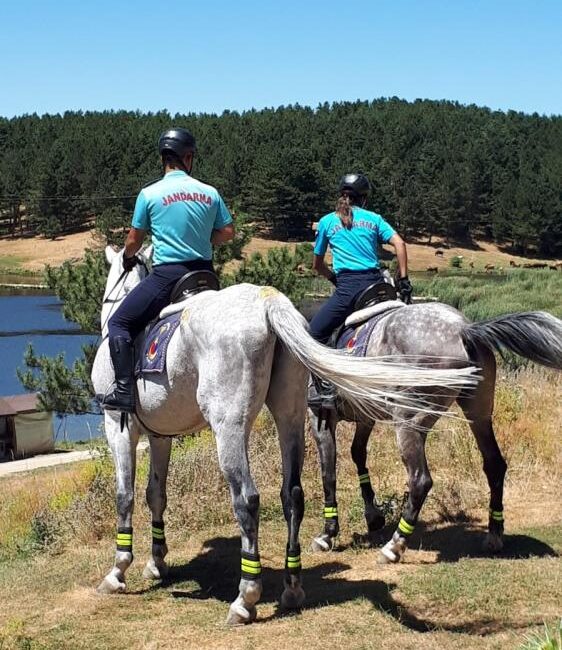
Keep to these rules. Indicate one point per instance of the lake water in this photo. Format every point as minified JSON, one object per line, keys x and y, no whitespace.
{"x":36,"y":318}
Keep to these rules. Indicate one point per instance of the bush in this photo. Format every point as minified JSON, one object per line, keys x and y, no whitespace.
{"x":456,"y":262}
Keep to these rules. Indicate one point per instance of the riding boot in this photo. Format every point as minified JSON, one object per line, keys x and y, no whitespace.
{"x":123,"y":397}
{"x":321,"y":393}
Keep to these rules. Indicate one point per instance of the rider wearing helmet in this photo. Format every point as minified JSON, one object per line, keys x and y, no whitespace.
{"x":185,"y":218}
{"x":353,"y":235}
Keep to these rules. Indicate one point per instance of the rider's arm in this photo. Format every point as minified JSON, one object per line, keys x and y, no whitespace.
{"x":221,"y":235}
{"x":140,"y":224}
{"x":401,"y":254}
{"x":223,"y":227}
{"x":321,"y":268}
{"x":320,"y":248}
{"x":134,"y":241}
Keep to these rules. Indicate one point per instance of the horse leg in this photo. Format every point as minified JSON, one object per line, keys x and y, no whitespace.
{"x":123,"y":445}
{"x":232,"y":447}
{"x":156,"y":498}
{"x":411,"y":436}
{"x":478,"y":407}
{"x":287,"y":403}
{"x":373,"y":514}
{"x":324,"y":432}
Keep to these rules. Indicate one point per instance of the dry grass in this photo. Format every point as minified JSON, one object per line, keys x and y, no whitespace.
{"x":35,"y":252}
{"x":445,"y":594}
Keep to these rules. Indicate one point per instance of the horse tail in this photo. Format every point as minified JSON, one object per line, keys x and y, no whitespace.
{"x":367,"y":383}
{"x":535,"y":335}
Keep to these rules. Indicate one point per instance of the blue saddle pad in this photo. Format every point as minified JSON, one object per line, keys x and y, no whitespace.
{"x":156,"y":342}
{"x":354,"y":339}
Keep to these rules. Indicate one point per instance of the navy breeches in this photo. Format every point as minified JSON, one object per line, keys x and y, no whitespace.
{"x":333,"y":313}
{"x":149,"y":297}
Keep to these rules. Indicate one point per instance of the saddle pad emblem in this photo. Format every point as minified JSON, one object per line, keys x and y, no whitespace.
{"x":355,"y":339}
{"x":153,"y":348}
{"x":156,"y":343}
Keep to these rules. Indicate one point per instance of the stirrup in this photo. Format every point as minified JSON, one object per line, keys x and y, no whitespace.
{"x":119,"y":401}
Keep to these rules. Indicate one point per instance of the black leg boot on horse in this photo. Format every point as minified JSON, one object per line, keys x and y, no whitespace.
{"x":123,"y":397}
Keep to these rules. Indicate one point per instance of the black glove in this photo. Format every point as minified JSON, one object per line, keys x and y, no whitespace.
{"x":129,"y":263}
{"x":405,"y":289}
{"x":333,"y":279}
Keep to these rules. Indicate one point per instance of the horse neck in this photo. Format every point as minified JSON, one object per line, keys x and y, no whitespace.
{"x":114,"y":295}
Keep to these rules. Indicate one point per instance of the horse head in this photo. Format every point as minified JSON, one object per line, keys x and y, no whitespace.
{"x":119,"y":283}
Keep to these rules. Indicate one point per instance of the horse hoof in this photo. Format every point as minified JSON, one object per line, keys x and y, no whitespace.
{"x":111,"y":585}
{"x":153,"y":571}
{"x":322,"y":543}
{"x":388,"y":556}
{"x":493,"y":543}
{"x":240,"y":615}
{"x":292,"y":598}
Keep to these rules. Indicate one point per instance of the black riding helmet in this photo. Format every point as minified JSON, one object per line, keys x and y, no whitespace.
{"x":178,"y":140}
{"x":357,"y":184}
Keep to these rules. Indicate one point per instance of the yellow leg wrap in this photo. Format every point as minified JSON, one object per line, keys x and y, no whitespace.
{"x":404,"y":527}
{"x":330,"y":512}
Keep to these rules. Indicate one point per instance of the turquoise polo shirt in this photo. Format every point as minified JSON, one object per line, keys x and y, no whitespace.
{"x":181,"y":213}
{"x":354,"y":249}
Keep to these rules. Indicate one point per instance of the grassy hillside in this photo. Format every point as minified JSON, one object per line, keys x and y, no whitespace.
{"x":57,"y":542}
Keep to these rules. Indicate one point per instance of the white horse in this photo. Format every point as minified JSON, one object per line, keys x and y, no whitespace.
{"x":234,"y":350}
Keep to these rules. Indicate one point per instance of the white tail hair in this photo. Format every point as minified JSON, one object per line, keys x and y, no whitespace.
{"x":369,"y":384}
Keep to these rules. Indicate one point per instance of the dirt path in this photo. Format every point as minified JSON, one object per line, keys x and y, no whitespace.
{"x":52,"y":460}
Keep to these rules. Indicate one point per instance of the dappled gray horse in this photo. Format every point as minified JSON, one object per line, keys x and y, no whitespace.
{"x":233,"y":351}
{"x":433,"y":330}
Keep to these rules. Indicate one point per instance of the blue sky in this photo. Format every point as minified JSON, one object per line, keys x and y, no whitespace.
{"x":213,"y":55}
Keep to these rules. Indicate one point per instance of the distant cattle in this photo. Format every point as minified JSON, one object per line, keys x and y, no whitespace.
{"x":489,"y":267}
{"x":535,"y":265}
{"x":432,"y":269}
{"x":439,"y":253}
{"x":514,"y":264}
{"x":471,"y":264}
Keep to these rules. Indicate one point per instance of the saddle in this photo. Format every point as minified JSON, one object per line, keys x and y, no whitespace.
{"x":371,"y":306}
{"x":150,"y":348}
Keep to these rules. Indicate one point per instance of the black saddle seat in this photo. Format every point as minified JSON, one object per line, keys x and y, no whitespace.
{"x":194,"y":282}
{"x":373,"y":294}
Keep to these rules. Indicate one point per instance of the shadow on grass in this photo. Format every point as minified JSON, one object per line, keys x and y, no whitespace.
{"x":215,"y":571}
{"x":458,"y":541}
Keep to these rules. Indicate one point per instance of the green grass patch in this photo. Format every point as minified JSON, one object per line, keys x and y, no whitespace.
{"x":11,"y":264}
{"x":485,"y":296}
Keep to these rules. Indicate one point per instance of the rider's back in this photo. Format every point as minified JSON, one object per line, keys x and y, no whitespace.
{"x":181,"y":212}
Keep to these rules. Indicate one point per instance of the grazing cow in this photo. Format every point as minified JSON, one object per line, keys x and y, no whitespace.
{"x":489,"y":267}
{"x":439,"y":253}
{"x":432,"y":269}
{"x":535,"y":265}
{"x":471,"y":264}
{"x":514,"y":264}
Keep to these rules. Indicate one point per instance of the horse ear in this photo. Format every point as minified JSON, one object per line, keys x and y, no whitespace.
{"x":110,"y":254}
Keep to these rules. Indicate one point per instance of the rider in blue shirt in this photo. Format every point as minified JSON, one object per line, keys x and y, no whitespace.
{"x":185,"y":218}
{"x":353,"y":235}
